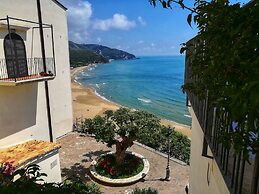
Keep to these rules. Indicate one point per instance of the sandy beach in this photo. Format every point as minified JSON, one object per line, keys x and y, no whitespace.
{"x":87,"y":104}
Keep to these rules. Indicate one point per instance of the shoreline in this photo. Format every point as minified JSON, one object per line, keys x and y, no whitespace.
{"x":88,"y":103}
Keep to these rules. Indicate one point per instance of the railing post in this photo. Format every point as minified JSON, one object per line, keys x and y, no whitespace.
{"x":41,"y":36}
{"x":53,"y":49}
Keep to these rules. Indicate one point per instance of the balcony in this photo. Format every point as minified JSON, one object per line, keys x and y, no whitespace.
{"x":30,"y":70}
{"x":237,"y":172}
{"x":21,"y":38}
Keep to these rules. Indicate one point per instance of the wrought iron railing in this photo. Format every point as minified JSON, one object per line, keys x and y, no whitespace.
{"x":237,"y":172}
{"x":35,"y":69}
{"x":15,"y":67}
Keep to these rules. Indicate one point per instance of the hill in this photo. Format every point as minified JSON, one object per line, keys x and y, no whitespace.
{"x":81,"y":57}
{"x":82,"y":54}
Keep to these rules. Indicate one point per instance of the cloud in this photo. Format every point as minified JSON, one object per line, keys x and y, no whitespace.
{"x":118,"y":21}
{"x":141,"y":42}
{"x":79,"y":14}
{"x":98,"y":39}
{"x":141,"y":21}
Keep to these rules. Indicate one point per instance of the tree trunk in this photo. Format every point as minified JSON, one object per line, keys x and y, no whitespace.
{"x":120,"y":154}
{"x":121,"y":148}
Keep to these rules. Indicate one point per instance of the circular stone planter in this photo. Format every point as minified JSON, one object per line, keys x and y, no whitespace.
{"x":122,"y":181}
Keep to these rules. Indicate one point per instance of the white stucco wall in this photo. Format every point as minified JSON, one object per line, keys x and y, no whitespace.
{"x":50,"y":164}
{"x":23,"y":112}
{"x":205,"y":176}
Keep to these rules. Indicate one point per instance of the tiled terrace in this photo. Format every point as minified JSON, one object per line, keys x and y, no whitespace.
{"x":77,"y":151}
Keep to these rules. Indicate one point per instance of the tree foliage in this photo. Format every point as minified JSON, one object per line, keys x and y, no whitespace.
{"x":124,"y":125}
{"x":158,"y":139}
{"x":30,"y":182}
{"x":121,"y":128}
{"x":226,"y":61}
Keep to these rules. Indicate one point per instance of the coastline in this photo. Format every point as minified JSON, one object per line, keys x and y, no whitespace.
{"x":87,"y":103}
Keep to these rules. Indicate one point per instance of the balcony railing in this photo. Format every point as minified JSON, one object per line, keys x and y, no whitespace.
{"x":34,"y":71}
{"x":237,"y":172}
{"x":15,"y":68}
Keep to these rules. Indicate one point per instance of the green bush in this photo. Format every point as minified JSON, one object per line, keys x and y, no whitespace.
{"x":31,"y":182}
{"x":145,"y":191}
{"x":158,"y":139}
{"x":155,"y":137}
{"x":131,"y":166}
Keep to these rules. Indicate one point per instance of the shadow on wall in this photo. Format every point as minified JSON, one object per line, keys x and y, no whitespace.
{"x":18,"y":106}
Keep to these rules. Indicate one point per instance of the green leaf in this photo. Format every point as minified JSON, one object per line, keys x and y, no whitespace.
{"x":164,"y":4}
{"x":189,"y":19}
{"x":169,"y":3}
{"x":152,"y":2}
{"x":182,"y":50}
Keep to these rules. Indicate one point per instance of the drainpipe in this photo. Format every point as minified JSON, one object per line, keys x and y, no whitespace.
{"x":45,"y":70}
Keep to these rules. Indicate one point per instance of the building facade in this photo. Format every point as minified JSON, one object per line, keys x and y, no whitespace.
{"x":35,"y":91}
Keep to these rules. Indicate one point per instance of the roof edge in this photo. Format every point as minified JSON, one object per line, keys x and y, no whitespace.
{"x":60,"y":4}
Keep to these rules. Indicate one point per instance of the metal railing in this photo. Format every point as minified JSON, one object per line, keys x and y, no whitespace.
{"x":34,"y":66}
{"x":237,"y":172}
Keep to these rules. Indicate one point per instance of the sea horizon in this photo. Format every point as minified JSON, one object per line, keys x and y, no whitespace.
{"x":150,"y":83}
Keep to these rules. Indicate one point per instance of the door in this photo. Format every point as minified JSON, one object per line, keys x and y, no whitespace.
{"x":15,"y":56}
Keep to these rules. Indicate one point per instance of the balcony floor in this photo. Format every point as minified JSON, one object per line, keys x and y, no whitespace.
{"x":26,"y":79}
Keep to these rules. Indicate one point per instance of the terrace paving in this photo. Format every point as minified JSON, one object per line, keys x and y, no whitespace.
{"x":78,"y":151}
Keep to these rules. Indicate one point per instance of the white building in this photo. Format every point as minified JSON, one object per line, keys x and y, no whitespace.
{"x":35,"y":92}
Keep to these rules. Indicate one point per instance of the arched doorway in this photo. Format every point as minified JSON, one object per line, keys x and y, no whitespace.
{"x":15,"y":55}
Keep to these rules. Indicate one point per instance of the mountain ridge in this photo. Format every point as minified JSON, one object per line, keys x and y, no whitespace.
{"x":83,"y":54}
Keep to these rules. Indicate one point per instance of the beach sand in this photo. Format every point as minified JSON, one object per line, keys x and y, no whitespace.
{"x":86,"y":104}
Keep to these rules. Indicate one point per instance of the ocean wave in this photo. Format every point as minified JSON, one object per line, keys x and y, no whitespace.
{"x":189,"y":116}
{"x":92,"y":67}
{"x":146,"y":100}
{"x":99,"y":85}
{"x":85,"y":74}
{"x":78,"y":82}
{"x":99,"y":95}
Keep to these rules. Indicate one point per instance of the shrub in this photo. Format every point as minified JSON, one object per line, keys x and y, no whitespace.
{"x":144,"y":191}
{"x":139,"y":125}
{"x":158,"y":139}
{"x":131,"y":166}
{"x":30,"y":182}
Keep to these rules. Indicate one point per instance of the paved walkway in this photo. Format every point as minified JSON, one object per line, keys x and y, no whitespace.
{"x":78,"y":151}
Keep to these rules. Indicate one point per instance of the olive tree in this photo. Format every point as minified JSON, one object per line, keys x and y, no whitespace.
{"x":121,"y":128}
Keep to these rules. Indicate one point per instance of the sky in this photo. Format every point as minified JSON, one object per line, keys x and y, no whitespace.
{"x":130,"y":25}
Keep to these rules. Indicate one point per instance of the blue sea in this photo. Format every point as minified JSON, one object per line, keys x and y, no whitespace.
{"x":152,"y":84}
